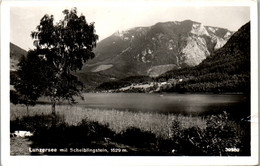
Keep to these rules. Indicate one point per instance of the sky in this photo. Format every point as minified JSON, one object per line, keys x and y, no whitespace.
{"x":110,"y":18}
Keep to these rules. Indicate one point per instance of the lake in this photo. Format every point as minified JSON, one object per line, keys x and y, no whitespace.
{"x":187,"y":104}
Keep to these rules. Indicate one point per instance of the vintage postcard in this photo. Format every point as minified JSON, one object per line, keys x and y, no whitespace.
{"x":129,"y":82}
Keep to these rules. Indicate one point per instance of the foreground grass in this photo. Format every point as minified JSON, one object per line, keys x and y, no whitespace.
{"x":137,"y":133}
{"x":159,"y":124}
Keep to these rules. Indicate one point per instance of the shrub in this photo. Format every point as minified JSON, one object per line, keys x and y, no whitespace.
{"x":135,"y":137}
{"x":220,"y":133}
{"x":186,"y":141}
{"x":35,"y":123}
{"x":62,"y":135}
{"x":95,"y":130}
{"x":14,"y":97}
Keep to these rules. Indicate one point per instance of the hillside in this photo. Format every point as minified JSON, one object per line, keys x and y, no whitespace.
{"x":15,"y":55}
{"x":227,"y":70}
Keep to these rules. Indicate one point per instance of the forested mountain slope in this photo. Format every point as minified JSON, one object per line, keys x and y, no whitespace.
{"x":226,"y":70}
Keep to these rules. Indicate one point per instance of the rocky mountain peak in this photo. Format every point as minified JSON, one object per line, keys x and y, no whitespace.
{"x":199,"y":29}
{"x":175,"y":43}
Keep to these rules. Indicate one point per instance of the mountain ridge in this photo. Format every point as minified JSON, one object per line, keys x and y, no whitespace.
{"x":153,"y":50}
{"x":144,"y":43}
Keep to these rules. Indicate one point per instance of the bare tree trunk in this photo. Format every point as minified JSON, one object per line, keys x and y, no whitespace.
{"x":27,"y":108}
{"x":53,"y":108}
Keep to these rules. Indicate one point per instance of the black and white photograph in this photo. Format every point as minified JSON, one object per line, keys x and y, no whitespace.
{"x":130,"y":80}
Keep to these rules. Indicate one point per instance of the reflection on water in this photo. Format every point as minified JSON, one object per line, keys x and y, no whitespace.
{"x":189,"y":104}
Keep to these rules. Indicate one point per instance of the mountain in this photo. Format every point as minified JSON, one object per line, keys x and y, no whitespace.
{"x":15,"y":55}
{"x":226,"y":70}
{"x":154,"y":50}
{"x":149,"y":51}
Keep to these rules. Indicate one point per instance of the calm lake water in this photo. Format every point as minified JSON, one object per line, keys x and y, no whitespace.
{"x":187,"y":104}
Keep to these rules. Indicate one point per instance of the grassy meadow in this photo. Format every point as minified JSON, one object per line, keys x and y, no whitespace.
{"x":159,"y":124}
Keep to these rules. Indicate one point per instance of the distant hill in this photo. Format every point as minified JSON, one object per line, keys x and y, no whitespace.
{"x":15,"y":55}
{"x":154,"y":50}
